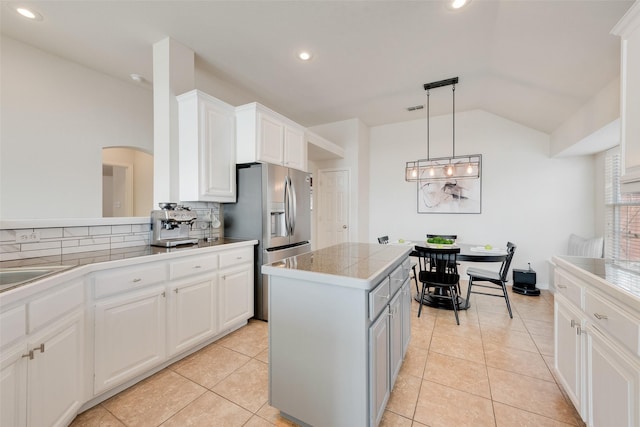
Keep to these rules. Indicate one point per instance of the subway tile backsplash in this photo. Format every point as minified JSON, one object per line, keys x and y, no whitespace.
{"x":60,"y":241}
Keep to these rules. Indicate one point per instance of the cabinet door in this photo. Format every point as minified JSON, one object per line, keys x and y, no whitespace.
{"x":129,"y":336}
{"x":395,"y":336}
{"x":192,"y":313}
{"x":614,"y":382}
{"x":270,"y":140}
{"x":379,"y":384}
{"x":13,"y":386}
{"x":236,"y":295}
{"x":217,"y":153}
{"x":295,"y":149}
{"x":569,"y":354}
{"x":55,"y":374}
{"x":406,"y":315}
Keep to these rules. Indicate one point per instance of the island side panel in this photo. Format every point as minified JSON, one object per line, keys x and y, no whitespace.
{"x":318,"y":352}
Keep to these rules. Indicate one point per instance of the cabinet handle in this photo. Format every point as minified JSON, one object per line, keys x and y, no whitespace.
{"x":137,"y":279}
{"x":29,"y":355}
{"x":578,"y":330}
{"x":39,"y":348}
{"x":573,"y":323}
{"x":562,"y":286}
{"x":175,"y":290}
{"x":164,"y":294}
{"x":601,"y":316}
{"x":197,"y":266}
{"x":239,"y":257}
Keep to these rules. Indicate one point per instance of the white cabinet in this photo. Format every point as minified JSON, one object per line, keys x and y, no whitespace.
{"x":570,"y":351}
{"x":380,"y":387}
{"x":55,"y":375}
{"x":130,"y":333}
{"x":192,"y":309}
{"x":266,"y":136}
{"x":629,"y":31}
{"x":597,"y":347}
{"x":42,"y":378}
{"x":207,"y":150}
{"x":614,"y":382}
{"x":13,"y":385}
{"x":236,"y":299}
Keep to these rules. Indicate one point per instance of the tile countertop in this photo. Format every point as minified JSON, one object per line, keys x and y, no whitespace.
{"x":110,"y":258}
{"x":614,"y":277}
{"x":355,"y":265}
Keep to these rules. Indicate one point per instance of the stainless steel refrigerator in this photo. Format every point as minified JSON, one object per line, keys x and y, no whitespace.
{"x":273,"y":206}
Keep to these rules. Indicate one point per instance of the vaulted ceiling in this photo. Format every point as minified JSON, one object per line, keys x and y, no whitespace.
{"x":532,"y":61}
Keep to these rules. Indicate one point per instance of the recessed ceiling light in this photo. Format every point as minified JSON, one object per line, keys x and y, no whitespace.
{"x":136,"y":78}
{"x":457,"y":4}
{"x":304,"y":55}
{"x":29,"y":14}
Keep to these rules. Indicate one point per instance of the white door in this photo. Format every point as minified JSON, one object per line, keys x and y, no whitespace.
{"x":333,"y":207}
{"x":569,"y":353}
{"x":13,"y":386}
{"x":236,"y":295}
{"x":379,"y":366}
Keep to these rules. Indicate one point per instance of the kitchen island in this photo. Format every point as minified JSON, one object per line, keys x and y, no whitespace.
{"x":339,"y":328}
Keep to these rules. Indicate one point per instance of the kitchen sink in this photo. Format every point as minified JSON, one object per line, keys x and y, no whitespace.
{"x":10,"y":277}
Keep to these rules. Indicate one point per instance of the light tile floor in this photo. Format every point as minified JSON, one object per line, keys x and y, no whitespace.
{"x":488,"y":371}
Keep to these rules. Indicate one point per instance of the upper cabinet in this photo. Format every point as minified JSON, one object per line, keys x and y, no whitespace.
{"x":207,"y":148}
{"x":629,"y":31}
{"x":266,"y":136}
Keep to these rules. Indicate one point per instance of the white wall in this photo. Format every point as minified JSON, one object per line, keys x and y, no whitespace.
{"x":527,"y":197}
{"x":56,"y":118}
{"x":353,"y":136}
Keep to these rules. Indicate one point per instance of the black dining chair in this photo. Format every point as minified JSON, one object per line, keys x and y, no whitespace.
{"x":493,"y":279}
{"x":435,"y":272}
{"x":384,"y":240}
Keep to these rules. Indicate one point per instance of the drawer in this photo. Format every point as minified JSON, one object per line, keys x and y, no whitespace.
{"x":125,"y":279}
{"x":236,"y":256}
{"x":397,"y":278}
{"x":379,"y":298}
{"x":569,"y":287}
{"x":613,"y":321}
{"x":193,"y":265}
{"x":56,"y":303}
{"x":13,"y":325}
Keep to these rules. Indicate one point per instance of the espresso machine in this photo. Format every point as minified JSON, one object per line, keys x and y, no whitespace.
{"x":171,"y":224}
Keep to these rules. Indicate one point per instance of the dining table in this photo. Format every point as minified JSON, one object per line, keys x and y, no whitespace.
{"x":438,"y":298}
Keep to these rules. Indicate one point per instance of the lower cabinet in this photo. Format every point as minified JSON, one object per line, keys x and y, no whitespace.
{"x":236,"y":295}
{"x":129,"y":338}
{"x":41,"y":380}
{"x":597,"y":356}
{"x":389,"y":339}
{"x":614,"y":382}
{"x":379,"y":366}
{"x":192,"y":307}
{"x":570,"y":351}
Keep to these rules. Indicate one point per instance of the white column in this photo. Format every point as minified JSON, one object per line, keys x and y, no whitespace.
{"x":173,"y":74}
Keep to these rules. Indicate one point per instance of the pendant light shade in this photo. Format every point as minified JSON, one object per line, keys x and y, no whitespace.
{"x":443,"y":168}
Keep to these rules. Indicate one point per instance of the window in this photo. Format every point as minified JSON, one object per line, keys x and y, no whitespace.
{"x":622,"y":214}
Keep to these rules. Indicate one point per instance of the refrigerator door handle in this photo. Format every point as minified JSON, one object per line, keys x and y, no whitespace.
{"x":293,"y":206}
{"x":287,"y":205}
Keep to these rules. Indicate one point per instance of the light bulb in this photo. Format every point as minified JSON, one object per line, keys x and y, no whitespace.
{"x":432,"y":172}
{"x":449,"y":170}
{"x":305,"y":56}
{"x":457,"y":4}
{"x":469,"y":169}
{"x":414,"y":173}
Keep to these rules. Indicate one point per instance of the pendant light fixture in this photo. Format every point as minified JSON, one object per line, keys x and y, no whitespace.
{"x":443,"y":168}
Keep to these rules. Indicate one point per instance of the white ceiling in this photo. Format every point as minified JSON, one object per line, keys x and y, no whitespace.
{"x":532,"y":61}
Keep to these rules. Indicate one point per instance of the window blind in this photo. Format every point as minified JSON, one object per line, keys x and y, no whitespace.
{"x":622,"y":214}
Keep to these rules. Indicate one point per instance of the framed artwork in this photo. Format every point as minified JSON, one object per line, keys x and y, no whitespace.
{"x":450,"y":196}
